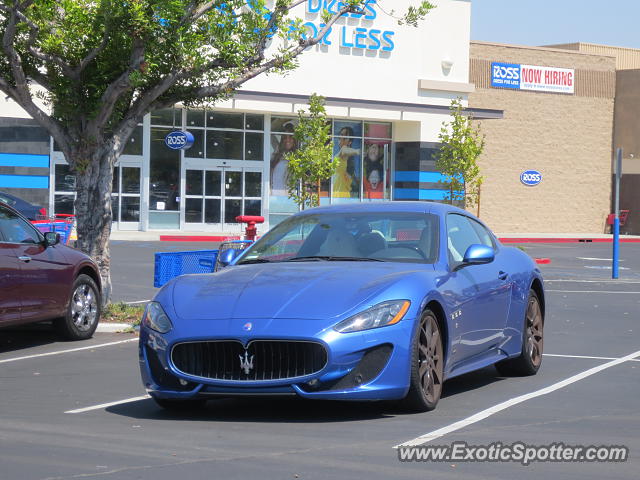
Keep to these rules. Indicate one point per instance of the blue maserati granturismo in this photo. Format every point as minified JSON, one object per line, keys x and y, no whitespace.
{"x":375,"y":301}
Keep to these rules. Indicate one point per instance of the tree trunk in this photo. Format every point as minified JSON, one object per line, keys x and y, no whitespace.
{"x":93,"y":214}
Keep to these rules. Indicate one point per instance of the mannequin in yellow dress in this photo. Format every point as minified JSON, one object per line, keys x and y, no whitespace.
{"x":342,"y":180}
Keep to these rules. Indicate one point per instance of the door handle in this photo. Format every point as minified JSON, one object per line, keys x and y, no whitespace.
{"x":503,"y":275}
{"x":24,"y":258}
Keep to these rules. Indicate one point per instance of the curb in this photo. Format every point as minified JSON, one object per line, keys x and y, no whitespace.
{"x":565,"y":240}
{"x":112,"y":327}
{"x":197,"y":238}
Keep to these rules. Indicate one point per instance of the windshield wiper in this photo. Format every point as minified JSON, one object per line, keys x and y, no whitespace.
{"x":254,"y":260}
{"x":329,"y":258}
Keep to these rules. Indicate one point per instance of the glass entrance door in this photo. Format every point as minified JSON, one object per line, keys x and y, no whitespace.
{"x":125,"y":196}
{"x":214,"y":197}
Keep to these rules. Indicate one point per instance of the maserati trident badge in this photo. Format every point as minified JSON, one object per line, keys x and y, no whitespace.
{"x":246,"y":362}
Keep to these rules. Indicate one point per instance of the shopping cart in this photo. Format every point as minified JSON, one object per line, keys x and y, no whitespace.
{"x":63,"y":224}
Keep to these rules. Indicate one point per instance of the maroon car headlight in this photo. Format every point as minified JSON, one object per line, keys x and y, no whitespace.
{"x":155,"y":318}
{"x":380,"y":315}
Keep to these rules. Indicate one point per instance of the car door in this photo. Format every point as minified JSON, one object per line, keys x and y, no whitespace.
{"x":43,"y":273}
{"x":483,"y":291}
{"x":10,"y":303}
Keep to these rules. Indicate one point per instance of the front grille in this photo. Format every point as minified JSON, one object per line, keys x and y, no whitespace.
{"x":261,"y":360}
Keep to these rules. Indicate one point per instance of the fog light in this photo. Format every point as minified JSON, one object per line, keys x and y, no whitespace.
{"x":182,"y":382}
{"x":313,"y":383}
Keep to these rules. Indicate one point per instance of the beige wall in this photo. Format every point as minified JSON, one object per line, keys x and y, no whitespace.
{"x":565,"y":137}
{"x":627,"y":114}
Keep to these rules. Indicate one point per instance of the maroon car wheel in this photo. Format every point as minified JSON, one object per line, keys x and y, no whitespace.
{"x":83,"y":311}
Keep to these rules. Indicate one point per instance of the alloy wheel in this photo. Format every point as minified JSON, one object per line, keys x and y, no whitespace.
{"x":430,"y":360}
{"x":84,"y":307}
{"x":534,"y":331}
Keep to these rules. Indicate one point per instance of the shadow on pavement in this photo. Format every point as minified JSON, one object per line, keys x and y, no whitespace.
{"x":27,"y":336}
{"x":294,"y":409}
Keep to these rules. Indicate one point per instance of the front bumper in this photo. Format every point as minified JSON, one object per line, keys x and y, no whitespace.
{"x":370,"y":365}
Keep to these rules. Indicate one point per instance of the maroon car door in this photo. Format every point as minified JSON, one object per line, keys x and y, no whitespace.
{"x":9,"y":287}
{"x":44,"y":273}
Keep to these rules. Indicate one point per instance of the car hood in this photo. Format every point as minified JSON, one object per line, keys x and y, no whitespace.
{"x":309,"y":290}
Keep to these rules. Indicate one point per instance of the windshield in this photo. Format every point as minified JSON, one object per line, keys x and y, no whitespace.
{"x":364,"y":236}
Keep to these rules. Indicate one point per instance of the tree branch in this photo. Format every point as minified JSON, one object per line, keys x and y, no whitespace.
{"x":118,"y":87}
{"x":21,"y":92}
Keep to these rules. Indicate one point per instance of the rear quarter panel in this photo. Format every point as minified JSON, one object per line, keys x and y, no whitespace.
{"x":522,"y":273}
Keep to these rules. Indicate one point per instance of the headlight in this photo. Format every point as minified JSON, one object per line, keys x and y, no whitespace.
{"x":381,"y":315}
{"x":155,"y":318}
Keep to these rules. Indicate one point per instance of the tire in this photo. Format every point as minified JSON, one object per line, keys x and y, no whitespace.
{"x":83,"y":311}
{"x":530,"y":359}
{"x":427,"y":366}
{"x":177,"y":405}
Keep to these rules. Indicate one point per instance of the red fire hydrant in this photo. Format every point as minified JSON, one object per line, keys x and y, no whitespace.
{"x":251,"y":231}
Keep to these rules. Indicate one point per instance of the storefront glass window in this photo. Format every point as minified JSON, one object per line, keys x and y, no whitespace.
{"x":171,"y":117}
{"x":65,"y":187}
{"x":224,"y":144}
{"x":134,"y":144}
{"x":347,"y":150}
{"x":164,"y":179}
{"x":364,"y":174}
{"x":225,"y":120}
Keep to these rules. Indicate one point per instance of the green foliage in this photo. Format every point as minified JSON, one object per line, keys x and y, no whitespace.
{"x":462,"y":144}
{"x":122,"y":313}
{"x":312,"y":163}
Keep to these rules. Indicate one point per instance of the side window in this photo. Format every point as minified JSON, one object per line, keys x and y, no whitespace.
{"x":483,"y":234}
{"x":7,"y":200}
{"x":15,"y":229}
{"x":460,"y":236}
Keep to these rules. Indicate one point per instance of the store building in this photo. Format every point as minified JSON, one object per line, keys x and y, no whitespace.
{"x":626,"y":125}
{"x":547,"y":163}
{"x":388,"y":89}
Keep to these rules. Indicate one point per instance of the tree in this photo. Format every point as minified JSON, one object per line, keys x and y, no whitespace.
{"x":312,"y":162}
{"x":462,"y":144}
{"x":102,"y":65}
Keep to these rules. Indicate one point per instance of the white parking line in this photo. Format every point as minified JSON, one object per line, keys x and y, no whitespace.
{"x":110,"y":404}
{"x":587,"y":291}
{"x":60,"y":352}
{"x":604,"y":280}
{"x":583,"y":356}
{"x":427,"y":437}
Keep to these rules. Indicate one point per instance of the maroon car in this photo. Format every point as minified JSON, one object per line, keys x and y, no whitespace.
{"x":41,"y":279}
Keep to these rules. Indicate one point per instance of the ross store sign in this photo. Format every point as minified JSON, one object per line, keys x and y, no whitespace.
{"x":531,"y":77}
{"x":531,"y":178}
{"x":179,"y":140}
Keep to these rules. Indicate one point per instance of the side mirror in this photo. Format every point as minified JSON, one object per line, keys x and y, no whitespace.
{"x":51,"y":239}
{"x":478,"y":254}
{"x":227,"y":256}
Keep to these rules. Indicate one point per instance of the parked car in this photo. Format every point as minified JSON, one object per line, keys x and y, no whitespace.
{"x":32,"y":212}
{"x":376,"y":301}
{"x":41,"y":279}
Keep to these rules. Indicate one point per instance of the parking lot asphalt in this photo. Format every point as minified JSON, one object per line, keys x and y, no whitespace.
{"x":132,"y":266}
{"x":583,"y":395}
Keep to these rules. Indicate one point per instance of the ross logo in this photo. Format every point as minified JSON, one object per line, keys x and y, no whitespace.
{"x":531,"y":178}
{"x":179,"y":140}
{"x":246,"y":362}
{"x":247,"y":326}
{"x":505,"y":75}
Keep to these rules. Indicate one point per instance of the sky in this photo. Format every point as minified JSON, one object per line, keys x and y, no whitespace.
{"x":547,"y":22}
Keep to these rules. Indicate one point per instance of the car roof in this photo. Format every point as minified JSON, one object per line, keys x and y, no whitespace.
{"x":388,"y":206}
